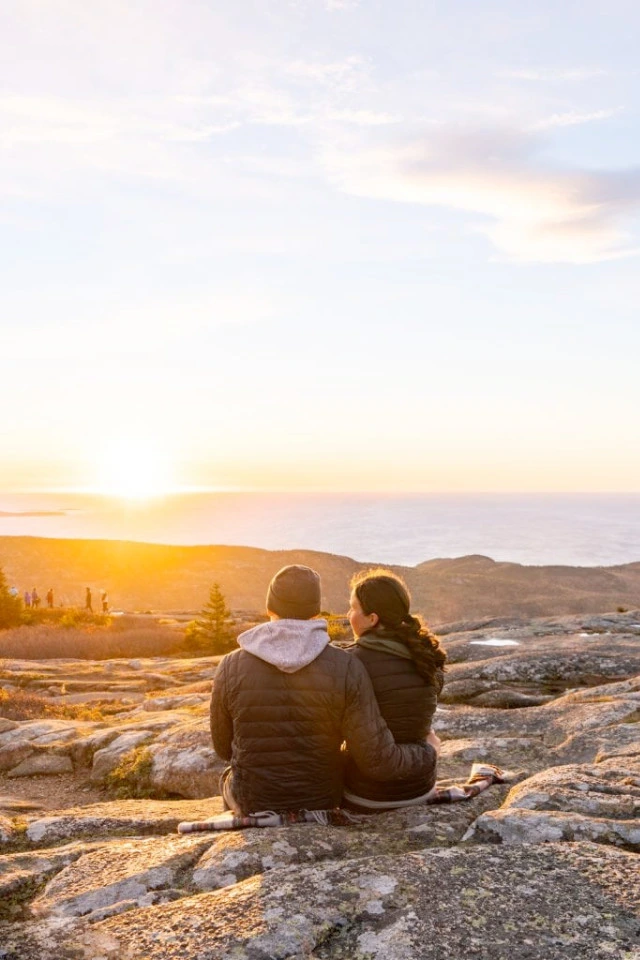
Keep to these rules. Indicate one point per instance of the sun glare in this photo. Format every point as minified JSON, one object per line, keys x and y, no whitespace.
{"x":133,"y":472}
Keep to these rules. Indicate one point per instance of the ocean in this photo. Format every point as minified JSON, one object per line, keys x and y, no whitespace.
{"x":574,"y":529}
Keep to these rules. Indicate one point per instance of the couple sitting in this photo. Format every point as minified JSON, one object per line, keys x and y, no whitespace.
{"x":286,"y":701}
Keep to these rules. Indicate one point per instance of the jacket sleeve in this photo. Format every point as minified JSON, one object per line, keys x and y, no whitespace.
{"x":369,"y":739}
{"x":220,"y":717}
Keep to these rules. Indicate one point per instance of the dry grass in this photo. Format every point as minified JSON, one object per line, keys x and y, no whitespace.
{"x":122,"y":638}
{"x":63,"y":617}
{"x":339,"y":630}
{"x":22,"y":705}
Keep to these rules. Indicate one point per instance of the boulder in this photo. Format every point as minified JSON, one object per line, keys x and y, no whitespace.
{"x":6,"y":831}
{"x":138,"y":870}
{"x":508,"y":699}
{"x":392,"y":908}
{"x":12,"y":754}
{"x":108,"y":758}
{"x":171,"y":703}
{"x":21,"y":873}
{"x":598,"y":802}
{"x":528,"y":826}
{"x":115,"y":818}
{"x":43,"y":765}
{"x":185,"y":763}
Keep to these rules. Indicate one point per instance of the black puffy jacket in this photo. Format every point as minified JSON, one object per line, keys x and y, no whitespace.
{"x":407,"y":702}
{"x":282,"y":731}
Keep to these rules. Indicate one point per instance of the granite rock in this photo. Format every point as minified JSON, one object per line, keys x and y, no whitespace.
{"x":114,"y":881}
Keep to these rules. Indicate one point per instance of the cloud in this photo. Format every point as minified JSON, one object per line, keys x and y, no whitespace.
{"x":554,"y":74}
{"x":347,"y":74}
{"x":530,"y":210}
{"x":28,"y":120}
{"x":574,"y":118}
{"x":362,"y":118}
{"x":337,"y":6}
{"x":55,"y":146}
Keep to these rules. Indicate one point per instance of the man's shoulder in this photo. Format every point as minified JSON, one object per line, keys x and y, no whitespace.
{"x":341,"y":661}
{"x":336,"y":654}
{"x":232,"y":659}
{"x":229,"y":662}
{"x":334,"y":651}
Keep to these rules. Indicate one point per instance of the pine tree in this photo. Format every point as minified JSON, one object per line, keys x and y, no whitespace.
{"x":10,"y":607}
{"x":211,"y":633}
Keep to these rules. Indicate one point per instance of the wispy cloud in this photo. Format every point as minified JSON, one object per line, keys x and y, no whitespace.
{"x":145,"y":136}
{"x":362,"y":118}
{"x":574,"y":118}
{"x":337,"y":6}
{"x":554,"y":74}
{"x":347,"y":74}
{"x":531,"y":209}
{"x":25,"y":120}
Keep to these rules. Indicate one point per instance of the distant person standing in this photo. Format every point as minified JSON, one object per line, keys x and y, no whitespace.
{"x":35,"y":598}
{"x":50,"y":598}
{"x":105,"y":602}
{"x":13,"y":592}
{"x":27,"y":599}
{"x":87,"y":600}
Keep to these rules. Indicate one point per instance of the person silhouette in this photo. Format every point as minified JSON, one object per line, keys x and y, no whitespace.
{"x":87,"y":600}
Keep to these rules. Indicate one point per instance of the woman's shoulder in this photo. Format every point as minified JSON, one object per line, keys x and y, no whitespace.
{"x":364,"y":652}
{"x":383,"y":659}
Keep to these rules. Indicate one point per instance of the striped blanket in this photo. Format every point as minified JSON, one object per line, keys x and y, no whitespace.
{"x":482,"y":776}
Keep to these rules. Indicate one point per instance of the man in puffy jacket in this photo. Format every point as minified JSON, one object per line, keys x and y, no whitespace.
{"x":283,"y":704}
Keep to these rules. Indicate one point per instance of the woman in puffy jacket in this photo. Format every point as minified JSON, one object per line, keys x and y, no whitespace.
{"x":405,"y":662}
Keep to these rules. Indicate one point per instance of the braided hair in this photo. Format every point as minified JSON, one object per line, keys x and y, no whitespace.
{"x":383,"y":593}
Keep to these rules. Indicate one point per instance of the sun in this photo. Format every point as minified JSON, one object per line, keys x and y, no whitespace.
{"x":132,"y":471}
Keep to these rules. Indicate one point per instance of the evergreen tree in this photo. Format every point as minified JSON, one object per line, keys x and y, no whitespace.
{"x":211,"y":633}
{"x":10,"y":607}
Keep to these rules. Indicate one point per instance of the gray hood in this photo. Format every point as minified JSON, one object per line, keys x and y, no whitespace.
{"x":289,"y":645}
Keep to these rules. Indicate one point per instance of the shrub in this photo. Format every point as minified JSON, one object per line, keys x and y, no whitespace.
{"x":339,"y":629}
{"x":64,"y":617}
{"x":20,"y":705}
{"x":10,"y":607}
{"x":131,"y":779}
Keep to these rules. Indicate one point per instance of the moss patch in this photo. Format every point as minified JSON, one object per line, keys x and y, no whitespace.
{"x":131,"y":779}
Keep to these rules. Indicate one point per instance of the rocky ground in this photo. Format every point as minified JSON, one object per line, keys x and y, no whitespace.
{"x":92,"y":866}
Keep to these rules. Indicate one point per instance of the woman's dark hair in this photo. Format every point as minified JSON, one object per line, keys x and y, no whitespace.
{"x":383,"y":593}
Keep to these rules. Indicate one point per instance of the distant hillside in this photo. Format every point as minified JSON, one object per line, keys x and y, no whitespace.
{"x":141,"y":576}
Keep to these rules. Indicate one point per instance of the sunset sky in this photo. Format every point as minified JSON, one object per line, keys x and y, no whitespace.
{"x":320,"y":244}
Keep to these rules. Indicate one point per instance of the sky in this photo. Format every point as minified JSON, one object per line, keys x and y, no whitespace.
{"x":319,"y":245}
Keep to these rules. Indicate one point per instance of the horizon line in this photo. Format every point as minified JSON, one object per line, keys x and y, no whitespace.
{"x":194,"y":490}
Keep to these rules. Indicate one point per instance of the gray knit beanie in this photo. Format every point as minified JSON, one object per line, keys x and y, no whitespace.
{"x":294,"y":593}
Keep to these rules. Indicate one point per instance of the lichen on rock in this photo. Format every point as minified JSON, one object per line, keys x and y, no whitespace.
{"x":543,"y":869}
